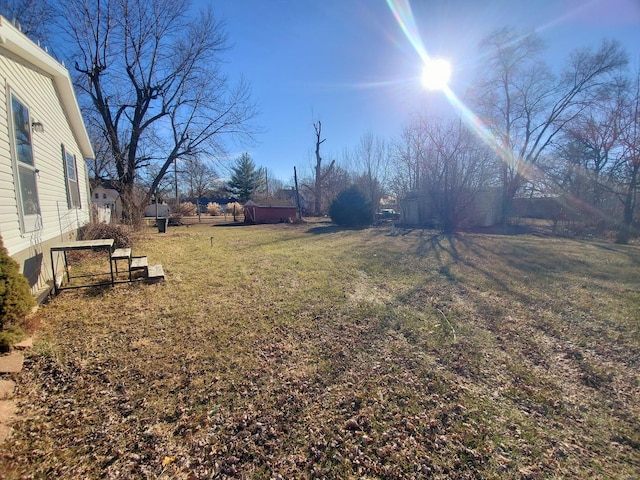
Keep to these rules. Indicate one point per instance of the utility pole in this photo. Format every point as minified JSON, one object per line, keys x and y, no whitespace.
{"x":175,"y":171}
{"x":295,"y":179}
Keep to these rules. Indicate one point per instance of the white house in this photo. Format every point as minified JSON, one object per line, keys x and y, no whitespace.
{"x":44,"y":189}
{"x":106,"y":201}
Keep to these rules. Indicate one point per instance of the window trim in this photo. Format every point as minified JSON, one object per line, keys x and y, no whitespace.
{"x":67,"y":156}
{"x":29,"y":222}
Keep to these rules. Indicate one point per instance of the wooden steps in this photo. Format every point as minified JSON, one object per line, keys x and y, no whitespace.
{"x":121,"y":254}
{"x":155,"y":273}
{"x":152,"y":273}
{"x":139,"y":263}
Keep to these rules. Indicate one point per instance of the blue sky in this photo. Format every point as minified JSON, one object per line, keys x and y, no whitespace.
{"x":348,"y":63}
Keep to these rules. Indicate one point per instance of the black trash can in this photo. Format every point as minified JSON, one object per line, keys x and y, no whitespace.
{"x":162,"y":224}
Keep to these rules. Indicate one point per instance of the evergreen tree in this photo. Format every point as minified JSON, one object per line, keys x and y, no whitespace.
{"x":245,"y":179}
{"x":351,"y":209}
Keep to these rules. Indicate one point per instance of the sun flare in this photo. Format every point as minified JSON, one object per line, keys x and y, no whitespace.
{"x":436,"y":74}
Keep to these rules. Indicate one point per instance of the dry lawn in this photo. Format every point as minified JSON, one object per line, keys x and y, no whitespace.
{"x":308,"y":351}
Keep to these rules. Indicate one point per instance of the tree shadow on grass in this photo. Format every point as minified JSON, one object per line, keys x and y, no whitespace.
{"x":330,"y":227}
{"x":629,"y":251}
{"x":511,"y":229}
{"x":436,"y":244}
{"x":444,"y":249}
{"x":232,"y":224}
{"x":93,"y":291}
{"x":325,"y":229}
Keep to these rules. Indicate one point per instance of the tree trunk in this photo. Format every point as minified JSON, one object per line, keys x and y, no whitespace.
{"x":318,"y":179}
{"x":625,"y":231}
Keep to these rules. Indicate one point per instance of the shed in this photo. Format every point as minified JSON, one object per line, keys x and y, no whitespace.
{"x":44,"y":186}
{"x":273,"y":212}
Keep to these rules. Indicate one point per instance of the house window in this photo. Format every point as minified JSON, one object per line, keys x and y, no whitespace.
{"x":104,"y":196}
{"x":27,"y":189}
{"x":97,"y":196}
{"x":71,"y":176}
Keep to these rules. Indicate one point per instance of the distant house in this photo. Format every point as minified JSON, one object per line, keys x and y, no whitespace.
{"x":44,"y":188}
{"x":271,"y":211}
{"x":106,"y":201}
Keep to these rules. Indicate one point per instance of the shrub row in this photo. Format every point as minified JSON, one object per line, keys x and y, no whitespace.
{"x":214,"y":208}
{"x":186,"y":209}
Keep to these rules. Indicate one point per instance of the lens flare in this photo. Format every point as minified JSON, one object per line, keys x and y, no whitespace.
{"x":403,"y":14}
{"x":436,"y":74}
{"x":401,"y":10}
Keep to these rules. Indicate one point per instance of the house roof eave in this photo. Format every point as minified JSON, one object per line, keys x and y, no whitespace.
{"x":18,"y":43}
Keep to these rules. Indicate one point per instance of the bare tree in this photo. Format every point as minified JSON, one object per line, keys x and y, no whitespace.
{"x":629,"y":165}
{"x":460,"y":170}
{"x":199,"y":177}
{"x":269,"y":186}
{"x":274,"y":185}
{"x":337,"y":180}
{"x":526,"y":106}
{"x":101,"y":167}
{"x":152,"y":76}
{"x":369,"y":162}
{"x":582,"y":162}
{"x":443,"y":169}
{"x":33,"y":17}
{"x":321,"y":173}
{"x":408,"y":156}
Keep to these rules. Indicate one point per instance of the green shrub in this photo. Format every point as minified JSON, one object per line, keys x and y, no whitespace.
{"x":214,"y":208}
{"x":94,"y":231}
{"x":351,"y":209}
{"x":15,"y":294}
{"x":10,"y":336}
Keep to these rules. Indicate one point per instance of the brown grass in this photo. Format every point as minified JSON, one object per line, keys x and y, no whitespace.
{"x":308,"y":351}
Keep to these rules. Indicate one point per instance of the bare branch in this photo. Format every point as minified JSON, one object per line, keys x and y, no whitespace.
{"x":151,"y":74}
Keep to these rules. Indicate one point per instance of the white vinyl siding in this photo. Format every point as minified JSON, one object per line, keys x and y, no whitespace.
{"x":44,"y":86}
{"x":39,"y":93}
